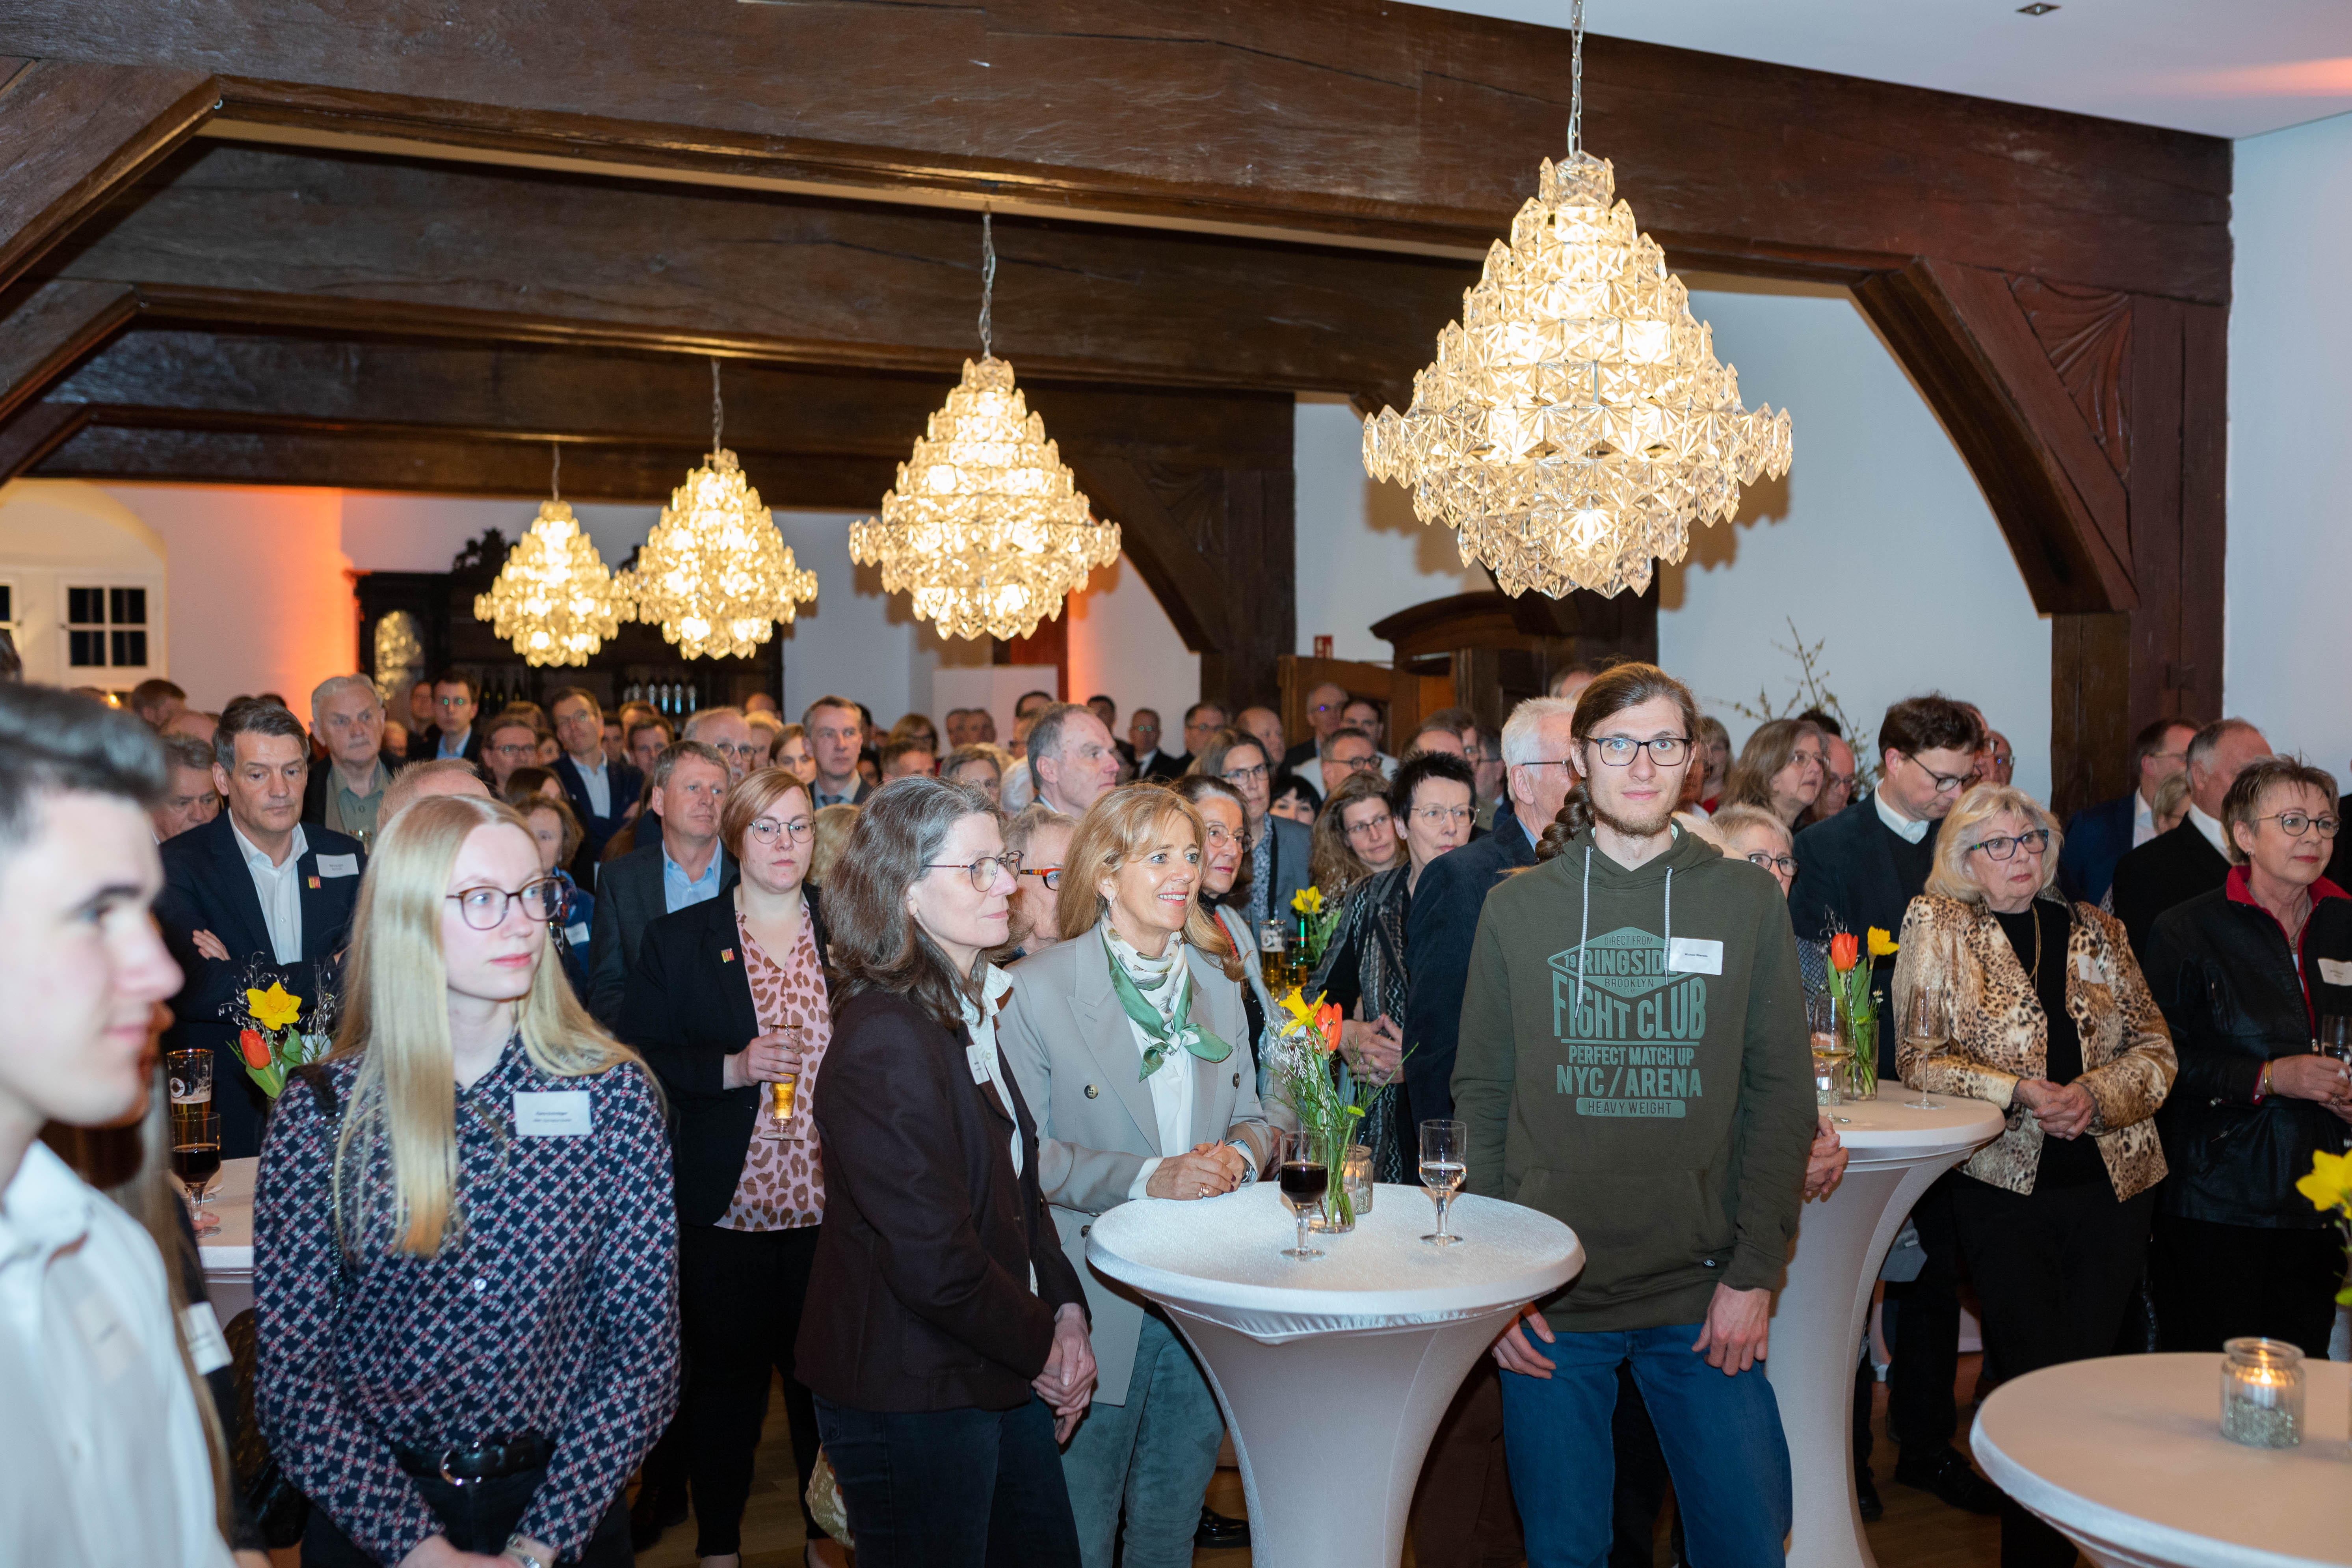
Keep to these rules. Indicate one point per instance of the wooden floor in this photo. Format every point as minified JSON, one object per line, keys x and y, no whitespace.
{"x":1918,"y":1532}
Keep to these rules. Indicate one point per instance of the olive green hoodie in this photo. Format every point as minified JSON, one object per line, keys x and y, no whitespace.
{"x":1633,"y":1062}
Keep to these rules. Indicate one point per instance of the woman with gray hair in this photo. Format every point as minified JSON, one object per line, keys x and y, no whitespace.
{"x":2039,"y":1007}
{"x":2245,"y":973}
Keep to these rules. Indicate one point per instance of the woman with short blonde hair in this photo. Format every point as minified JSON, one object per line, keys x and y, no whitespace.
{"x":465,"y":1247}
{"x":2039,"y":1009}
{"x":1129,"y":1039}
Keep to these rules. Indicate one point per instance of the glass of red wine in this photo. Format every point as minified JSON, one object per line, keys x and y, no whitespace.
{"x":1304,"y":1180}
{"x":195,"y":1157}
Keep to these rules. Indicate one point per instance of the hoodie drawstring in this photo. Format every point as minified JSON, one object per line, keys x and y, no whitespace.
{"x":1584,"y":930}
{"x":1666,"y":963}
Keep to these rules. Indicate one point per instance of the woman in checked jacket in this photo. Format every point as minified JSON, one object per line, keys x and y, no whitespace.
{"x":464,"y":1244}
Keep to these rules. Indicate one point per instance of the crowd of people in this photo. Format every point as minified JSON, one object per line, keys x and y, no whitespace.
{"x":672,"y":1059}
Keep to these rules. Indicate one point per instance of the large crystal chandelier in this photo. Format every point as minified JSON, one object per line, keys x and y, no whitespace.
{"x":715,"y":574}
{"x":985,"y":530}
{"x":1576,"y":419}
{"x":553,"y":599}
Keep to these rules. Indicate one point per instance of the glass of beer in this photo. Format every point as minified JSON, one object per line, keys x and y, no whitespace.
{"x":787,"y":1116}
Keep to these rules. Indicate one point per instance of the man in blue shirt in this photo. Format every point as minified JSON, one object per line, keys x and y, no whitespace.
{"x":684,"y":865}
{"x":603,"y":795}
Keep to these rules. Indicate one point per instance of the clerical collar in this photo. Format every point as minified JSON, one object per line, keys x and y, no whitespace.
{"x":1897,"y":824}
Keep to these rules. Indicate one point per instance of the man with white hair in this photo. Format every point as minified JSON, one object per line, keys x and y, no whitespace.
{"x":2174,"y":867}
{"x":346,"y":795}
{"x":1327,"y":710}
{"x":726,"y":731}
{"x":1071,"y":758}
{"x":421,"y":781}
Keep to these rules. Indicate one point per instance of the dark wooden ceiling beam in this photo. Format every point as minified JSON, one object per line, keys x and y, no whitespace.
{"x":1361,"y":117}
{"x":231,"y":234}
{"x":50,"y":325}
{"x":71,"y":134}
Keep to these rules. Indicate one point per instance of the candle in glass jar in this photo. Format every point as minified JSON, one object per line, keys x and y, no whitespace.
{"x":2261,"y":1394}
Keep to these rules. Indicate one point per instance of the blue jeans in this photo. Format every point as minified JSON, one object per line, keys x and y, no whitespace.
{"x":1721,"y":1435}
{"x":1155,"y":1454}
{"x":951,"y":1489}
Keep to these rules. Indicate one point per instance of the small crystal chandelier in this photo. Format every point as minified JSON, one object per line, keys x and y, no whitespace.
{"x":985,"y":530}
{"x":715,"y":574}
{"x":553,"y":598}
{"x":1576,"y":419}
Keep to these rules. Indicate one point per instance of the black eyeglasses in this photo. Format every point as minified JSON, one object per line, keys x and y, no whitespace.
{"x":1944,"y":783}
{"x":2294,"y":823}
{"x":1368,"y":764}
{"x":1787,"y":864}
{"x":2003,"y":846}
{"x":1245,"y":775}
{"x":983,"y":870}
{"x":1618,"y":750}
{"x":485,"y":908}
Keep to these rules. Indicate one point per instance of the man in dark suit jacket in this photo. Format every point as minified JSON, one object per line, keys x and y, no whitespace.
{"x":1858,"y":869}
{"x":225,"y":936}
{"x":2099,"y":836}
{"x":347,"y":717}
{"x":456,"y":701}
{"x":2174,"y":867}
{"x":1202,"y":723}
{"x":579,"y":730}
{"x":682,"y":865}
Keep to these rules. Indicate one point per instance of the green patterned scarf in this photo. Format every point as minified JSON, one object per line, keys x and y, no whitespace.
{"x":1168,"y":1031}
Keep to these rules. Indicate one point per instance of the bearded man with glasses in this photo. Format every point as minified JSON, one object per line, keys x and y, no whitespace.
{"x":1858,"y":869}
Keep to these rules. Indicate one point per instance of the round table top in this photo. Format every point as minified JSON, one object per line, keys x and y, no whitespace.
{"x":1221,"y":1258}
{"x":1885,"y":1131}
{"x":2128,"y":1450}
{"x":227,"y":1253}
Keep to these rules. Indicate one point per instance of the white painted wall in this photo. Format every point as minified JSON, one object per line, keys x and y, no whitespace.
{"x":1878,"y":542}
{"x":2290,"y":552}
{"x":1123,"y":644}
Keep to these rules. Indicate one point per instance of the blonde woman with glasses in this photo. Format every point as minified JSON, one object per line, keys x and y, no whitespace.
{"x":2037,"y":1006}
{"x":464,"y":1247}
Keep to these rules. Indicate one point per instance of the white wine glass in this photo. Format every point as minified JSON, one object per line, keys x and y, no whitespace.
{"x":1444,"y":1164}
{"x":1928,"y":1028}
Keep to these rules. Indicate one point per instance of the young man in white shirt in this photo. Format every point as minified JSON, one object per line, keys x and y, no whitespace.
{"x":103,"y":1446}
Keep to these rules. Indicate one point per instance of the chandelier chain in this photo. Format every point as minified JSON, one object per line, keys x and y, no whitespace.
{"x":718,"y":409}
{"x":987,"y":280}
{"x":555,"y":476}
{"x":1575,"y":78}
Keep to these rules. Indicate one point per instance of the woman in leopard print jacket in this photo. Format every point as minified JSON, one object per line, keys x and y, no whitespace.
{"x":2051,"y":1021}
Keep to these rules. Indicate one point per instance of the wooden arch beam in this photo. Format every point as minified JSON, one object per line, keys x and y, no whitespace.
{"x":72,"y":134}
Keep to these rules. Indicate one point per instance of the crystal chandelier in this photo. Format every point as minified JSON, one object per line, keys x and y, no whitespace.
{"x":985,"y":530}
{"x":553,"y":598}
{"x":715,"y":574}
{"x":1576,"y":419}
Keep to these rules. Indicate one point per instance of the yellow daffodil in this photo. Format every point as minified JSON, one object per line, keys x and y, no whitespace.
{"x":1307,"y":902}
{"x":274,"y":1009}
{"x":1301,"y":1010}
{"x":2329,"y":1185}
{"x":1883,"y":946}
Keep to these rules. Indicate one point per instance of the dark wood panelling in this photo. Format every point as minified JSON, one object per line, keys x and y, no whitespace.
{"x":2091,"y":725}
{"x":71,"y":133}
{"x":50,"y":325}
{"x":35,"y":433}
{"x":1355,"y":116}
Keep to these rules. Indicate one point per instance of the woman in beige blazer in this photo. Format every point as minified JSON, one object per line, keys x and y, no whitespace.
{"x":1129,"y":1043}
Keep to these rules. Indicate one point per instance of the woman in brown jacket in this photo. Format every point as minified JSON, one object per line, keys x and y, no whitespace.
{"x":2051,"y":1021}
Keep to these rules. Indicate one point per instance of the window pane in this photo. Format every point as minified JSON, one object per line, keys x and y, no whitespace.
{"x":7,"y":603}
{"x":85,"y":648}
{"x":85,"y":607}
{"x":129,"y":649}
{"x":127,"y":607}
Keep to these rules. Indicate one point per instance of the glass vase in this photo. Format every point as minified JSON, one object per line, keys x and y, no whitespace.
{"x":1349,"y":1181}
{"x":1858,"y":1036}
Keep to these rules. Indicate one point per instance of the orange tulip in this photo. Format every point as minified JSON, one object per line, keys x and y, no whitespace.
{"x":1844,"y":949}
{"x":254,"y":1047}
{"x":1327,"y":1022}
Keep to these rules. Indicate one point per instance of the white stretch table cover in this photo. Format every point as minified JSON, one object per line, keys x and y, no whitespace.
{"x":2125,"y":1455}
{"x":227,"y":1253}
{"x":1333,"y":1372}
{"x":1895,"y":1153}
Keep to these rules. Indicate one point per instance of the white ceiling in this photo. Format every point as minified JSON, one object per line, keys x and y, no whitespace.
{"x":2227,"y":68}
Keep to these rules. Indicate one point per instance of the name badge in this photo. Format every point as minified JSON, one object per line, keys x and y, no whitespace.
{"x":2085,"y":968}
{"x":554,"y":1113}
{"x":207,"y":1346}
{"x":1693,"y":955}
{"x":978,"y":1060}
{"x":338,"y":865}
{"x":2335,"y":972}
{"x":108,"y":1340}
{"x":577,"y":935}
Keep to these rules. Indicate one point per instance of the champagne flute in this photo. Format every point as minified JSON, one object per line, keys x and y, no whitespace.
{"x":195,"y":1157}
{"x":1829,"y":1055}
{"x":1444,"y":1155}
{"x":1927,"y":1026}
{"x":1304,"y":1180}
